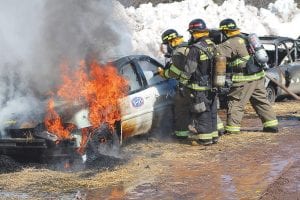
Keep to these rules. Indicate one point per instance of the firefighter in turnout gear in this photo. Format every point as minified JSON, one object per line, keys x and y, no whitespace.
{"x":247,"y":78}
{"x":198,"y":73}
{"x":176,"y":50}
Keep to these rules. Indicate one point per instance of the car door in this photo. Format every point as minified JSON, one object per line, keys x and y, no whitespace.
{"x":159,"y":91}
{"x":136,"y":108}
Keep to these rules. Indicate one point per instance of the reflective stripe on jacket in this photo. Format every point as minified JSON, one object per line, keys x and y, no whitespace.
{"x":199,"y":63}
{"x":183,"y":79}
{"x":238,"y":61}
{"x":235,"y":50}
{"x":252,"y":77}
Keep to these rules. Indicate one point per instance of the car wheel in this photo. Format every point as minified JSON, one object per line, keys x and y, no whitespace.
{"x":271,"y":93}
{"x":103,"y":141}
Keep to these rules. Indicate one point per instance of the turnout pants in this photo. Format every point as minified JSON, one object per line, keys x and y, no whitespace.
{"x":240,"y":93}
{"x":182,"y":115}
{"x":204,"y":114}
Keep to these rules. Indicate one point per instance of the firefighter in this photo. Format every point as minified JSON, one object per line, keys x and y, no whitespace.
{"x":198,"y":74}
{"x":175,"y":52}
{"x":247,"y":81}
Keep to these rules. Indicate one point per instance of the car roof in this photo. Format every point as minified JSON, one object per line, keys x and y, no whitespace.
{"x":118,"y":62}
{"x":274,"y":39}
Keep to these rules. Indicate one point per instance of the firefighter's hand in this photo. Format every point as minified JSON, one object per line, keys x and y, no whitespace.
{"x":161,"y":72}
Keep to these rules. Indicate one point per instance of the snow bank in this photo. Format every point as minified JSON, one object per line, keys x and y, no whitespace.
{"x":148,"y":22}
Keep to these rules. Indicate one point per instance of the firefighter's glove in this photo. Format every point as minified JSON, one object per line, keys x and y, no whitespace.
{"x":199,"y":107}
{"x":161,"y":72}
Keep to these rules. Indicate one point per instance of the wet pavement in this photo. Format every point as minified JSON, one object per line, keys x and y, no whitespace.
{"x":250,"y":165}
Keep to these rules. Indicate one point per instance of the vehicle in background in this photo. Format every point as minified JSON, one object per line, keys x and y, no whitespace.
{"x":147,"y":107}
{"x":284,"y":65}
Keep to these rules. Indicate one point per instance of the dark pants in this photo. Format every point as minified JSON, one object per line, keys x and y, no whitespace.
{"x":182,"y":110}
{"x":204,"y":114}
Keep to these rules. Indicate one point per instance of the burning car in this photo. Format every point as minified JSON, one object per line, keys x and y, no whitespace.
{"x":130,"y":99}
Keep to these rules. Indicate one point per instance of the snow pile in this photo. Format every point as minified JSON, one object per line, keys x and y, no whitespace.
{"x":148,"y":22}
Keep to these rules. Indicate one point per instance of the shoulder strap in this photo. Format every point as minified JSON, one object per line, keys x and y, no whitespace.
{"x":203,"y":47}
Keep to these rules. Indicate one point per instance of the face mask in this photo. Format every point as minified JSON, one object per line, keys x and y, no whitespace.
{"x":163,"y":48}
{"x":166,"y":49}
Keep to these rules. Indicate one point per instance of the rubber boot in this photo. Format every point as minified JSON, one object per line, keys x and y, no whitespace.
{"x":271,"y":129}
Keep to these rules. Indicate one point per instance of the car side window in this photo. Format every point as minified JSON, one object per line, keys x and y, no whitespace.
{"x":129,"y":74}
{"x":283,"y":53}
{"x":150,"y":72}
{"x":270,"y":49}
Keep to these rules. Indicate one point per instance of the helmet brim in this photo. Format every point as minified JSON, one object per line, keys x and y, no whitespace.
{"x":166,"y":41}
{"x":235,"y":29}
{"x":202,"y":30}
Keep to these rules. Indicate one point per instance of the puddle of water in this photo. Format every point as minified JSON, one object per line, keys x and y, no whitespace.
{"x":13,"y":195}
{"x":277,"y":167}
{"x":228,"y":188}
{"x":289,"y":123}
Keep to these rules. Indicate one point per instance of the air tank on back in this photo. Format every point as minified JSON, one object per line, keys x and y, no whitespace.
{"x":220,"y":71}
{"x":259,"y":51}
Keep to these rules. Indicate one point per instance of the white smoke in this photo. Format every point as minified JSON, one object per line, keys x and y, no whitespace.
{"x":36,"y":36}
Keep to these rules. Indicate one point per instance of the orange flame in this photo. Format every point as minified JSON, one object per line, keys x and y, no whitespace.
{"x":98,"y":87}
{"x":53,"y":122}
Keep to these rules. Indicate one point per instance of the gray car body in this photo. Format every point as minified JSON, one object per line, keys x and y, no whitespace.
{"x":284,"y":65}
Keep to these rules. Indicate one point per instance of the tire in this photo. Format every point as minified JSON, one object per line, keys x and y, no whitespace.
{"x":271,"y":93}
{"x":103,"y":142}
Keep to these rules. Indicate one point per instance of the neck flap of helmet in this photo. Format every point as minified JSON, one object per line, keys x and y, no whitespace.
{"x":176,"y":41}
{"x":231,"y":33}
